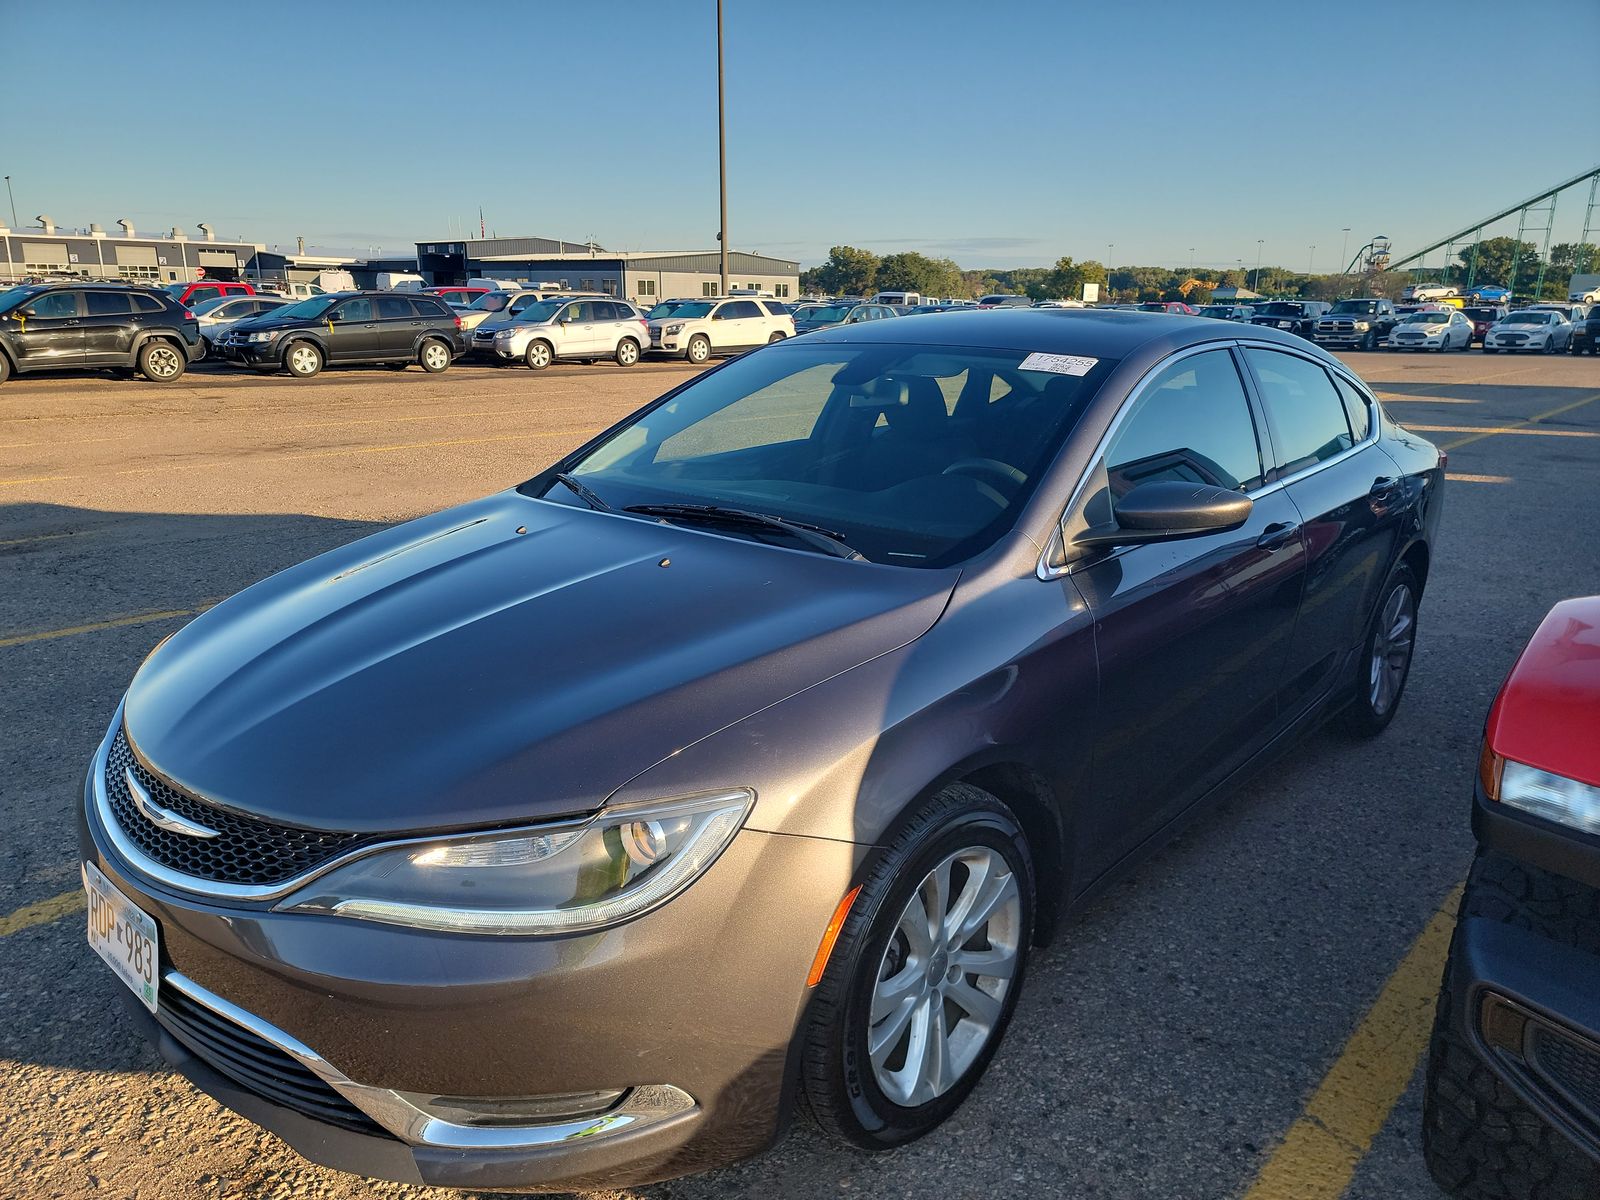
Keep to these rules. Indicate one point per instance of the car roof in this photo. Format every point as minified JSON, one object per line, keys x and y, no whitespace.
{"x":1097,"y":332}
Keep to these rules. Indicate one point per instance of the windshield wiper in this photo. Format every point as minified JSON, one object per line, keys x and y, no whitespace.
{"x":583,"y":492}
{"x":815,"y":536}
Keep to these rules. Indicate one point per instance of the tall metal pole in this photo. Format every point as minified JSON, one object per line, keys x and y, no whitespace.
{"x":1312,"y":260}
{"x":1257,"y":284}
{"x":722,"y":151}
{"x":1344,"y":246}
{"x":13,"y":200}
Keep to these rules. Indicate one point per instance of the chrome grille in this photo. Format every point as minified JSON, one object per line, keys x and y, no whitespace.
{"x":246,"y":851}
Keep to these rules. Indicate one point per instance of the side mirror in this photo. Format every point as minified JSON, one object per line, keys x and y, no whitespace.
{"x":335,"y":315}
{"x":1165,"y":510}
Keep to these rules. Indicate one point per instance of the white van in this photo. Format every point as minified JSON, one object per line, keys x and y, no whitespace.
{"x":400,"y":281}
{"x":910,"y":299}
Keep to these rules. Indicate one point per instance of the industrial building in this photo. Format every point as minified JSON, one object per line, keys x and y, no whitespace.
{"x":638,"y":275}
{"x":48,"y":252}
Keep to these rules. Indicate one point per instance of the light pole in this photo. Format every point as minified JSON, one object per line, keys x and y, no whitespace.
{"x":13,"y":200}
{"x":1312,"y":261}
{"x":1256,"y":286}
{"x":722,"y":153}
{"x":1191,"y":260}
{"x":1344,"y":246}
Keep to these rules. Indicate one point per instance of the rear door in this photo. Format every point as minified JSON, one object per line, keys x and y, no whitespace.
{"x":48,"y":330}
{"x":1350,"y":500}
{"x":398,"y":326}
{"x":580,"y":336}
{"x":108,"y":326}
{"x":353,"y":331}
{"x":737,"y":325}
{"x":1192,"y":635}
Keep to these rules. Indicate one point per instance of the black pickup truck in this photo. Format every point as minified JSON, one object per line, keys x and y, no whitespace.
{"x":1356,"y":324}
{"x":1295,"y":316}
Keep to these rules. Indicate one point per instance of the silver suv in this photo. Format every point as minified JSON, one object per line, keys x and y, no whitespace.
{"x":697,"y":329}
{"x":583,"y":329}
{"x":481,"y":333}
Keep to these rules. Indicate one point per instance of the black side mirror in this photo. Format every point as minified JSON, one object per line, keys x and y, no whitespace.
{"x":335,"y":315}
{"x":1164,"y":510}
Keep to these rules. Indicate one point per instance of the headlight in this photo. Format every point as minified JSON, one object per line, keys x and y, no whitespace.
{"x":265,"y":335}
{"x":1553,"y":797}
{"x":563,"y":878}
{"x":671,"y":329}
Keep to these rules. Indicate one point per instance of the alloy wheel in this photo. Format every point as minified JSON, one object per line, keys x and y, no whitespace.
{"x":303,"y":360}
{"x":942,"y":982}
{"x":435,"y":357}
{"x":162,"y":362}
{"x":1391,"y":649}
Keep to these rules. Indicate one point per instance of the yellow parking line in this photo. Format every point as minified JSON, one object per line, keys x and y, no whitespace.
{"x":1478,"y":478}
{"x":1478,"y":435}
{"x":46,"y":635}
{"x":41,"y":913}
{"x":1318,"y":1157}
{"x":1495,"y":430}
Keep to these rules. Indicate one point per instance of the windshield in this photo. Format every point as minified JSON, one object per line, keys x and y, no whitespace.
{"x":206,"y":306}
{"x":307,"y":309}
{"x":665,"y":309}
{"x":1216,"y":310}
{"x":824,"y":312}
{"x":918,"y":456}
{"x":1480,"y":314}
{"x":690,"y":309}
{"x":540,"y":310}
{"x":174,"y":289}
{"x":1427,"y":318}
{"x":1279,"y":310}
{"x":11,"y":297}
{"x":1355,"y":306}
{"x":491,"y":302}
{"x":1527,"y":318}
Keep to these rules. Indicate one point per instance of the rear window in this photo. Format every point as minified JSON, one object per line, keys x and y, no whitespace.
{"x":146,"y":304}
{"x":430,"y":308}
{"x":775,"y":308}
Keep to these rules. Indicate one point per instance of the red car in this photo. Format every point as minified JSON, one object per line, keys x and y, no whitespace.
{"x":1512,"y":1105}
{"x":1482,"y":316}
{"x":1167,"y":306}
{"x":190,"y":294}
{"x":461,"y":296}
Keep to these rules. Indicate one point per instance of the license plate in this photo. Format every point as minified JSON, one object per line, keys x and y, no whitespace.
{"x":123,"y":935}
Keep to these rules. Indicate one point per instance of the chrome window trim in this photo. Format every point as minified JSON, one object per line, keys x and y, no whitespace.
{"x":1045,"y":570}
{"x":641,"y":1107}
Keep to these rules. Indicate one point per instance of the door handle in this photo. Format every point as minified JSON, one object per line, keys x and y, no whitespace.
{"x":1385,"y":487}
{"x":369,"y":327}
{"x":1277,"y":535}
{"x":72,"y":321}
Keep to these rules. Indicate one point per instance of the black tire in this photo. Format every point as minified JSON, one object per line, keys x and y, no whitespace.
{"x":1369,"y":340}
{"x":777,"y":336}
{"x":433,"y":356}
{"x":538,"y":355}
{"x":1490,"y":350}
{"x":1479,"y":1139}
{"x":837,"y":1077}
{"x":1370,"y":709}
{"x":5,"y":368}
{"x":628,"y":353}
{"x":302,"y":359}
{"x":699,"y":350}
{"x":161,"y":361}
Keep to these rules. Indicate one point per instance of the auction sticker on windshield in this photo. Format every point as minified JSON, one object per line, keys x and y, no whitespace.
{"x":1059,"y":364}
{"x":122,"y":934}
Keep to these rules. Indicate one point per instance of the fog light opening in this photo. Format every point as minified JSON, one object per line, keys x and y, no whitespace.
{"x":500,"y":1111}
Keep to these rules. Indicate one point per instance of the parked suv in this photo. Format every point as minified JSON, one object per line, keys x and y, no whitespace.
{"x":481,"y":333}
{"x":701,"y":328}
{"x":574,"y":329}
{"x":1296,"y":316}
{"x":1357,"y":324}
{"x":191,"y":294}
{"x":397,"y":328}
{"x":52,"y":326}
{"x":1586,"y":333}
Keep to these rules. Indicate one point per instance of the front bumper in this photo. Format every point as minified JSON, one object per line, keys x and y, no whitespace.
{"x":700,"y":998}
{"x":253,"y":354}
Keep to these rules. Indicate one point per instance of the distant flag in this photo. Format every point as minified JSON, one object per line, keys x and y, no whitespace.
{"x":480,"y":222}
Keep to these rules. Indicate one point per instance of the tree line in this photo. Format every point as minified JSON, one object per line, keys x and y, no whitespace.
{"x":852,"y":271}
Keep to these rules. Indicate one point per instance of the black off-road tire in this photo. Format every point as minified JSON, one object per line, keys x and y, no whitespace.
{"x":5,"y":368}
{"x":1369,"y":341}
{"x":1479,"y":1139}
{"x":837,"y":1081}
{"x":161,"y":361}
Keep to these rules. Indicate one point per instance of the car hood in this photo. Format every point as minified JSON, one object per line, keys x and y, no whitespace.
{"x":509,"y":660}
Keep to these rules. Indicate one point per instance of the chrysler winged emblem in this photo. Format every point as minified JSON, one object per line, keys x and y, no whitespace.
{"x":163,"y":818}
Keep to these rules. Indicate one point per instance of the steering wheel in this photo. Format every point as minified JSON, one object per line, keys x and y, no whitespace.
{"x":1007,"y":476}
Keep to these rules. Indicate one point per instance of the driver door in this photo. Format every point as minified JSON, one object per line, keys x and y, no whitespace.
{"x":1191,"y":634}
{"x":353,"y":331}
{"x":48,"y":331}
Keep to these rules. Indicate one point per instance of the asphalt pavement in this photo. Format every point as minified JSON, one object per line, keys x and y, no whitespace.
{"x":1166,"y":1045}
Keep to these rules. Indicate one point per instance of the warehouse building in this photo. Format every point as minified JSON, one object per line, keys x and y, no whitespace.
{"x":641,"y":276}
{"x":51,"y":253}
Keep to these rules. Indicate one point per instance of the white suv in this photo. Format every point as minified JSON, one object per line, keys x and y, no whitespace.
{"x":697,"y":329}
{"x":574,"y":329}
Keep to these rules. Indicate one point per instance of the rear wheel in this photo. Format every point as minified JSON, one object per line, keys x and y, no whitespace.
{"x":699,"y":349}
{"x":777,"y":336}
{"x":5,"y":368}
{"x":160,"y":361}
{"x":302,"y":359}
{"x":1386,"y":657}
{"x":434,"y":356}
{"x":925,"y":974}
{"x":627,"y":352}
{"x":538,"y":355}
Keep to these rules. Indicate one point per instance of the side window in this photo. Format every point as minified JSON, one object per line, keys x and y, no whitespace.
{"x":394,"y":308}
{"x":1356,"y":407}
{"x":604,"y":310}
{"x":201,"y":295}
{"x":54,"y":304}
{"x":107,"y":304}
{"x":357,"y":309}
{"x":776,"y":309}
{"x":1191,"y":424}
{"x":738,"y":310}
{"x":431,"y":309}
{"x":578,"y":312}
{"x":146,"y":304}
{"x":1308,"y":419}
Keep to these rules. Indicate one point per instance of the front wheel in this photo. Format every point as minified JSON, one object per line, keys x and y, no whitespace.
{"x":303,"y":360}
{"x":699,"y":350}
{"x":434,"y":357}
{"x":161,"y":361}
{"x":538,"y":355}
{"x":925,"y":973}
{"x":627,"y":352}
{"x":1385,"y":664}
{"x":1369,"y":341}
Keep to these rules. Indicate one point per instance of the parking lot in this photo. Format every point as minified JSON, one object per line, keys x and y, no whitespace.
{"x":1242,"y":1018}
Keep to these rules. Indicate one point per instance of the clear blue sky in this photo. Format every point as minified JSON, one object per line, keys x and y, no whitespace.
{"x":999,"y":134}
